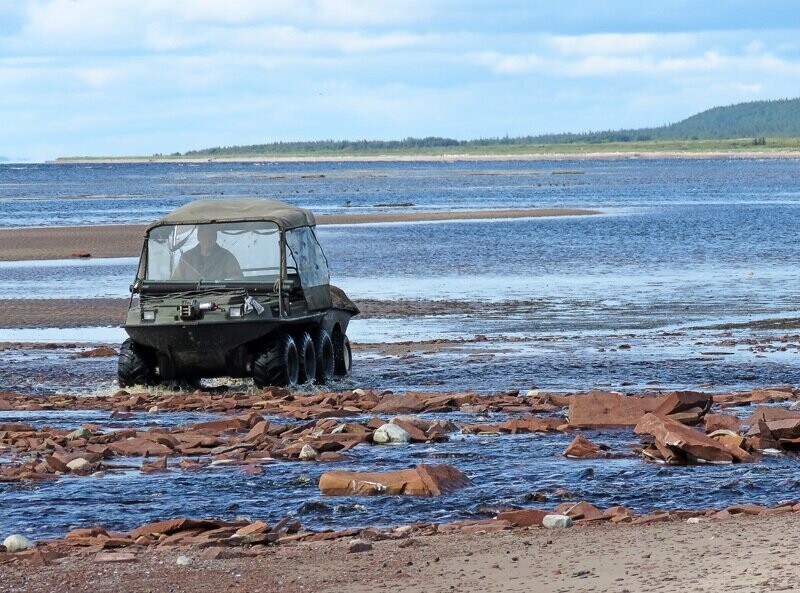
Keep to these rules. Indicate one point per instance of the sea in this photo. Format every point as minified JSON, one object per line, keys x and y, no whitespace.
{"x":687,"y":278}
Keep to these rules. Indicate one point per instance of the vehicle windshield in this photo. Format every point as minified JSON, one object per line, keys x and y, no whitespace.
{"x":240,"y":251}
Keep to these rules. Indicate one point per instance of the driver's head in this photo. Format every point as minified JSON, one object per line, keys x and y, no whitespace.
{"x":207,"y":238}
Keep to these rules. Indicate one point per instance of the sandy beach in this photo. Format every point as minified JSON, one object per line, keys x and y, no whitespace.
{"x":126,"y":240}
{"x":743,"y":553}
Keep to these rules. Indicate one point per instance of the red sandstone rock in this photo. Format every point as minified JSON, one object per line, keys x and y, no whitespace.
{"x":693,"y":445}
{"x":139,"y":447}
{"x":787,"y":428}
{"x":524,"y":517}
{"x":582,"y":448}
{"x":715,"y":422}
{"x":424,"y":480}
{"x":257,"y":527}
{"x":770,"y":414}
{"x":598,"y":409}
{"x":398,"y":404}
{"x":154,"y":467}
{"x":417,"y":435}
{"x":685,"y":406}
{"x":172,"y":526}
{"x":531,"y":424}
{"x":582,"y":510}
{"x":618,"y":514}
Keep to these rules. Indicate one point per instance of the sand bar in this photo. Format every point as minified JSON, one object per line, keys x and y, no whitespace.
{"x":126,"y":240}
{"x":448,"y":158}
{"x":111,"y":311}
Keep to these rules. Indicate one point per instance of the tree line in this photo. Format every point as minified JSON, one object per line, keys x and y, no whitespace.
{"x":756,"y":119}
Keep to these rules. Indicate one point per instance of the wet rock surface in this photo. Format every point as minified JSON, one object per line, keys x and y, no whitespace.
{"x":243,"y":435}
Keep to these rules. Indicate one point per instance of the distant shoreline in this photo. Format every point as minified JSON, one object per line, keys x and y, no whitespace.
{"x":125,"y":240}
{"x":423,"y":158}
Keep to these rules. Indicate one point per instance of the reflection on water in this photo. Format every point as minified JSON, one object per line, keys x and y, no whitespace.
{"x":505,"y":470}
{"x":615,"y":301}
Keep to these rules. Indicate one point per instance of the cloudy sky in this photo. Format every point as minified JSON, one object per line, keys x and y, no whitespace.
{"x":125,"y":77}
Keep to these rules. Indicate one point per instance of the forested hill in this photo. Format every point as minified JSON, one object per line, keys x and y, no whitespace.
{"x":757,"y":120}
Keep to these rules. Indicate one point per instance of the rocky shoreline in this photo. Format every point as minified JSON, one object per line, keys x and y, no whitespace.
{"x":610,"y":550}
{"x":671,"y":428}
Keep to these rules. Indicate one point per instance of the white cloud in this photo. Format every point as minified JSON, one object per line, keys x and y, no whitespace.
{"x":163,"y":75}
{"x":612,"y":44}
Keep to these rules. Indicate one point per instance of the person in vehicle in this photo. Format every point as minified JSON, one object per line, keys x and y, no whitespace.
{"x":207,"y":260}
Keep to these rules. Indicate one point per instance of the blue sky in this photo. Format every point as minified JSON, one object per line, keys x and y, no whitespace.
{"x":119,"y":77}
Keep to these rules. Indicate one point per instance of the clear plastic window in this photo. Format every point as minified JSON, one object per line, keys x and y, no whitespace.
{"x":306,"y":257}
{"x":248,"y":251}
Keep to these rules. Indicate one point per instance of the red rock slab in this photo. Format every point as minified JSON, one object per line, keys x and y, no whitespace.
{"x":582,"y":510}
{"x":218,"y":426}
{"x":398,"y":404}
{"x":693,"y":444}
{"x":157,"y":466}
{"x":424,"y":480}
{"x":601,"y":409}
{"x":88,"y":532}
{"x":256,"y":527}
{"x":684,"y":401}
{"x":17,"y":427}
{"x":259,"y":430}
{"x":140,"y":448}
{"x":531,"y":424}
{"x":787,"y":428}
{"x":746,"y":509}
{"x":524,"y":517}
{"x":164,"y":439}
{"x":770,"y":414}
{"x":618,"y":513}
{"x":714,"y":422}
{"x":582,"y":448}
{"x":173,"y":526}
{"x":415,"y":433}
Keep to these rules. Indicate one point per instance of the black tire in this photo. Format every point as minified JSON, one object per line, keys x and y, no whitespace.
{"x":343,"y":357}
{"x":133,"y":367}
{"x":278,"y":364}
{"x":323,"y":348}
{"x":307,"y":358}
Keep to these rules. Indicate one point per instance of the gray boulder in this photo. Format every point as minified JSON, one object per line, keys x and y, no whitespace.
{"x":556,"y":521}
{"x":390,"y":434}
{"x":18,"y":543}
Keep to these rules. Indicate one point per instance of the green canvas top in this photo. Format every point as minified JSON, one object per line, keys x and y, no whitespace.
{"x":284,"y":215}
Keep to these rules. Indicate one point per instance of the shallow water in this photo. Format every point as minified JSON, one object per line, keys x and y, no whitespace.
{"x":505,"y":470}
{"x":625,"y":300}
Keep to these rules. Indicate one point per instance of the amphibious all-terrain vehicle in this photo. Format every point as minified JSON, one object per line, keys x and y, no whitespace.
{"x":236,"y":288}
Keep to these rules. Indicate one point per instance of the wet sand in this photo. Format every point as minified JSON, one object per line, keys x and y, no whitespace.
{"x":743,"y":553}
{"x":106,"y":312}
{"x":126,"y":240}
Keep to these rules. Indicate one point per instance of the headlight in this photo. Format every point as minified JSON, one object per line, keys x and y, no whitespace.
{"x":235,"y":311}
{"x":149,"y":315}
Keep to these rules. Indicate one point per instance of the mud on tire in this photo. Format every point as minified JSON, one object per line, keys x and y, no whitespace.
{"x":133,"y":367}
{"x":323,"y":348}
{"x":278,"y":364}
